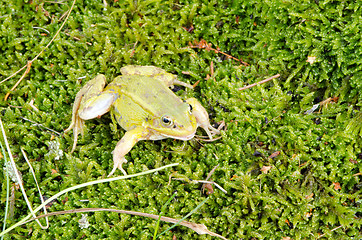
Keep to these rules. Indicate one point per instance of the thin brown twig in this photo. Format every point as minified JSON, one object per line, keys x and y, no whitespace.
{"x":334,"y":229}
{"x":202,"y":44}
{"x":209,"y":176}
{"x":28,"y":64}
{"x":261,"y":82}
{"x":202,"y":181}
{"x":211,"y":172}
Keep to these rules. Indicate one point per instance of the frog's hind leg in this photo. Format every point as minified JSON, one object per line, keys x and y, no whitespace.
{"x":124,"y":145}
{"x":155,"y":72}
{"x":90,"y":102}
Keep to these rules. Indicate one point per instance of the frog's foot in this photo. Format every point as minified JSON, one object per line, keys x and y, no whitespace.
{"x":117,"y":163}
{"x":202,"y":117}
{"x":210,"y":130}
{"x":78,"y":127}
{"x":124,"y":145}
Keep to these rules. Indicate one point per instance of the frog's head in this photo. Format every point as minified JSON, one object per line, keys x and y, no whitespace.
{"x":178,"y":123}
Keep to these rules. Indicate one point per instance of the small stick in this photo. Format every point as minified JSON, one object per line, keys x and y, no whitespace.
{"x":202,"y":181}
{"x":199,"y":228}
{"x":202,"y":44}
{"x":40,"y":125}
{"x":212,"y":171}
{"x":261,"y":82}
{"x":209,"y":175}
{"x":334,"y":229}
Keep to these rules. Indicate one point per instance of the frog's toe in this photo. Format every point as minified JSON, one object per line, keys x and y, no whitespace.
{"x":209,"y":134}
{"x":214,"y":130}
{"x":74,"y":143}
{"x":78,"y":127}
{"x":210,"y":130}
{"x":117,"y":164}
{"x":69,"y":128}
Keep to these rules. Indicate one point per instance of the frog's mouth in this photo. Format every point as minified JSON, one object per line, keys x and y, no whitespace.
{"x":180,"y":137}
{"x":160,"y":136}
{"x":185,"y":138}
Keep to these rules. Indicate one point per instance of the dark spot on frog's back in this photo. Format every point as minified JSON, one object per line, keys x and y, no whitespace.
{"x":163,"y":91}
{"x":176,"y":88}
{"x":147,"y":95}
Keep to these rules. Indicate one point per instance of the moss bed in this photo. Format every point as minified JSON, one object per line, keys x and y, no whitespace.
{"x":287,"y":173}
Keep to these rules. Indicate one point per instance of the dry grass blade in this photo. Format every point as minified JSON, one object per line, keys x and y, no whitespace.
{"x":55,"y":196}
{"x":261,"y":82}
{"x":28,"y":65}
{"x":41,"y":126}
{"x":202,"y":181}
{"x":209,"y":176}
{"x":18,"y":178}
{"x":199,"y":228}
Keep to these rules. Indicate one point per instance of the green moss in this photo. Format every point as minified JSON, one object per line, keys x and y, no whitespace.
{"x":297,"y":197}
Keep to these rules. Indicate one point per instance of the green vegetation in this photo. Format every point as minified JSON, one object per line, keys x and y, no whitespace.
{"x":309,"y":188}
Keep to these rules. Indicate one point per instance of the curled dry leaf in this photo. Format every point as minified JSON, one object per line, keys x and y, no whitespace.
{"x":202,"y":44}
{"x":265,"y":169}
{"x":337,"y":186}
{"x":274,"y":154}
{"x":309,"y":196}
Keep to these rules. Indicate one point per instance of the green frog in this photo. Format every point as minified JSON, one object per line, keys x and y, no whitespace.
{"x":143,"y":104}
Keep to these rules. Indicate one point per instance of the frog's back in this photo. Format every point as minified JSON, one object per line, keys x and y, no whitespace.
{"x":141,"y":98}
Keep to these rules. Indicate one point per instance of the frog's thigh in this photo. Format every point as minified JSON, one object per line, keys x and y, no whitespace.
{"x":92,"y":88}
{"x":97,"y":105}
{"x":125,"y":145}
{"x":154,"y":72}
{"x":142,"y":70}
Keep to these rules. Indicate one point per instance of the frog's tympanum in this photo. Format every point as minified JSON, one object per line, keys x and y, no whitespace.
{"x":143,"y":105}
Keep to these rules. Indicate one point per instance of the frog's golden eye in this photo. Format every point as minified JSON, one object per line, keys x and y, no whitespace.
{"x":167,"y":121}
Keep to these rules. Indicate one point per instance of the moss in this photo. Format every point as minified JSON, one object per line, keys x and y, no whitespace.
{"x":298,"y":197}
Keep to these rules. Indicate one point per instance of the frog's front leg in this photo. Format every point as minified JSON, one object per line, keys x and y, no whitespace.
{"x":202,"y":117}
{"x":124,"y":145}
{"x":90,"y":102}
{"x":155,"y":72}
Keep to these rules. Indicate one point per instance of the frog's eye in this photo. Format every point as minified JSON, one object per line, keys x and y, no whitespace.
{"x":190,"y":108}
{"x":167,"y":121}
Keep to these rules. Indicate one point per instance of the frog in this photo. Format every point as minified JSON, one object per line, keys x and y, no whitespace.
{"x":142,"y":103}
